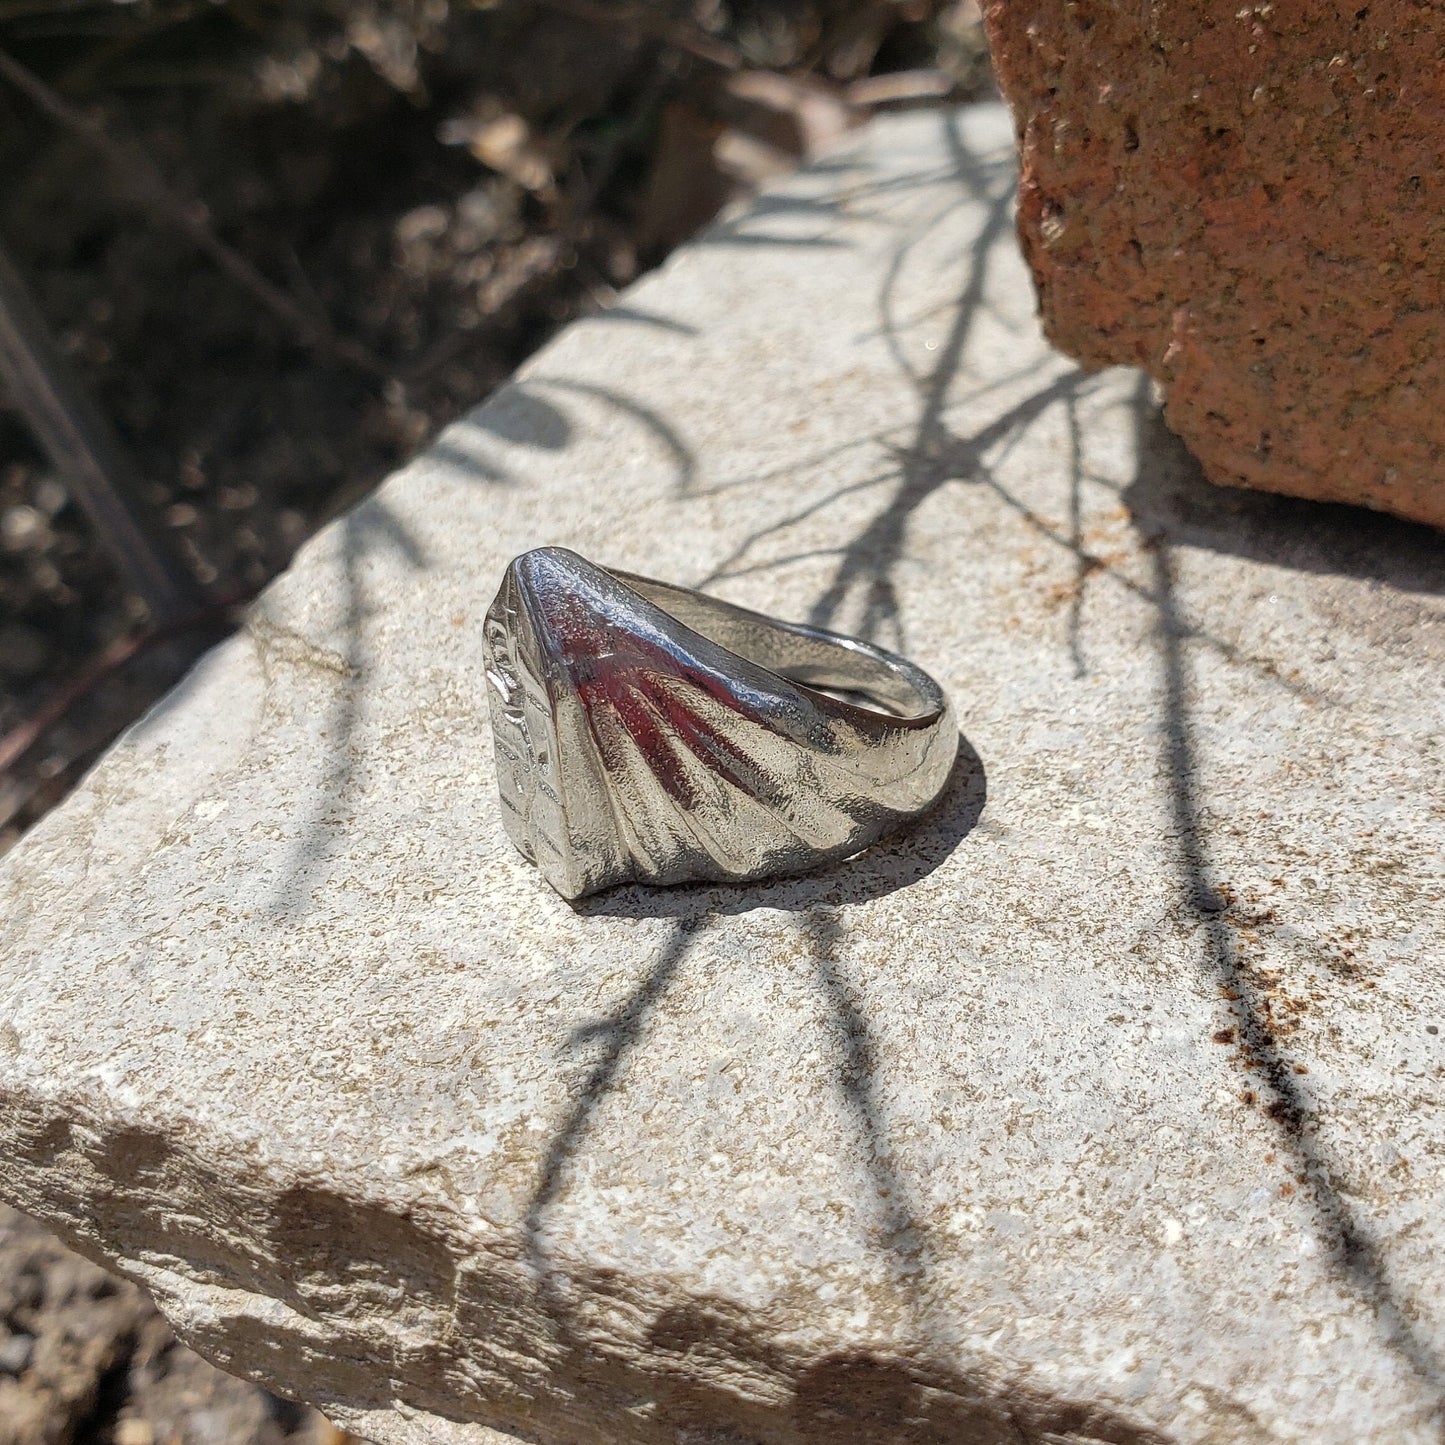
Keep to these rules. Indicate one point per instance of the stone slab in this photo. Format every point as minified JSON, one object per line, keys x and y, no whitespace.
{"x":1104,"y":1106}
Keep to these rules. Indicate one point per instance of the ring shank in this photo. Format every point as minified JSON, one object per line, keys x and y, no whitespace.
{"x":811,"y":656}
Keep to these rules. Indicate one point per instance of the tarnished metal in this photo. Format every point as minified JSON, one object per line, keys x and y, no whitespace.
{"x":646,"y":732}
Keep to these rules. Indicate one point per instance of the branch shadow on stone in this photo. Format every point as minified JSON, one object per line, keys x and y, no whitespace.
{"x":855,"y":1392}
{"x":1171,"y":511}
{"x":514,"y":414}
{"x":932,"y":454}
{"x":518,"y":414}
{"x":321,"y":836}
{"x":847,"y":1393}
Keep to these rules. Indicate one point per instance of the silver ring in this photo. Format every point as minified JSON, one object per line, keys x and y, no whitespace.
{"x":649,"y":733}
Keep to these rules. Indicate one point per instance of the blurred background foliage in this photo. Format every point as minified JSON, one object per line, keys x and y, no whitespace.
{"x":279,"y":242}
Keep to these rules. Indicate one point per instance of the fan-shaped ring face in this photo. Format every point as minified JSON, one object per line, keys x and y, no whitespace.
{"x":632,"y":746}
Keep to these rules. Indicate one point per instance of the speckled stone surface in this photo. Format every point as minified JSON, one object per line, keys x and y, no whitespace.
{"x":1105,"y":1106}
{"x":1248,"y":200}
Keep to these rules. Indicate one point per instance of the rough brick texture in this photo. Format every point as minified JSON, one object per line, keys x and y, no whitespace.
{"x":1249,"y":201}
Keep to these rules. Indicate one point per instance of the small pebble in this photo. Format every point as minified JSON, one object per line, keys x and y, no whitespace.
{"x":50,"y":495}
{"x":236,"y":499}
{"x":22,"y":527}
{"x":425,"y":223}
{"x":15,"y":1353}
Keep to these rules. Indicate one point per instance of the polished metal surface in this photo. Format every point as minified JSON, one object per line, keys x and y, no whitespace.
{"x":646,"y":732}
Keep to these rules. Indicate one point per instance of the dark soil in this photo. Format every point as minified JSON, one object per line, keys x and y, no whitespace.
{"x":84,"y":1357}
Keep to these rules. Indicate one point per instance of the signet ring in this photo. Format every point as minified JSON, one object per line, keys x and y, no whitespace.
{"x":648,"y":733}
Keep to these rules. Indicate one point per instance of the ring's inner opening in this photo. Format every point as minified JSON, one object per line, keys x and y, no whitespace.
{"x":852,"y":674}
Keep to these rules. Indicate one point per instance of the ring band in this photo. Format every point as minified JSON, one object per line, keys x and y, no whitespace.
{"x":645,"y":732}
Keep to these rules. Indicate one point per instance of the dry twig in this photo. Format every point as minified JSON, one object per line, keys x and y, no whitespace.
{"x":85,"y":451}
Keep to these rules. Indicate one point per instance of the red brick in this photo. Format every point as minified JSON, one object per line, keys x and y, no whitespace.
{"x":1249,"y":201}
